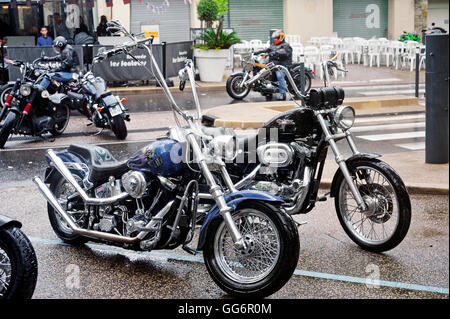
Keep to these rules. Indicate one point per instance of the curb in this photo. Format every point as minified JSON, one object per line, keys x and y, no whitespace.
{"x":413,"y":189}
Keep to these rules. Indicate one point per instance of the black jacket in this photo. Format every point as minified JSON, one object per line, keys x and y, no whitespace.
{"x":68,"y":58}
{"x":279,"y":54}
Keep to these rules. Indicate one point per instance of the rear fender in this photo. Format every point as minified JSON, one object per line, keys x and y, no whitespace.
{"x":349,"y":161}
{"x":6,"y":221}
{"x":234,"y":200}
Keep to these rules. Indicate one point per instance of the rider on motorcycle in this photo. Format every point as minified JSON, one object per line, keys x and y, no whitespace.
{"x":68,"y":58}
{"x":280,"y":53}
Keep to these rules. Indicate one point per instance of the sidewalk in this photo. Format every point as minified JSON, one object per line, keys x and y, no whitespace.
{"x":358,"y":75}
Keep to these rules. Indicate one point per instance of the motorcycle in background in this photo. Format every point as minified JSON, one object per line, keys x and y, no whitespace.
{"x":31,"y":110}
{"x":259,"y":75}
{"x":250,"y":246}
{"x":18,"y":262}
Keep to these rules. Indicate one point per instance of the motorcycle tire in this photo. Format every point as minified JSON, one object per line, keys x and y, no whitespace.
{"x":5,"y":130}
{"x":17,"y":251}
{"x":232,"y":83}
{"x":62,"y":120}
{"x":61,"y":229}
{"x":4,"y":92}
{"x":385,"y":193}
{"x":307,"y":82}
{"x":119,"y":127}
{"x":281,"y":254}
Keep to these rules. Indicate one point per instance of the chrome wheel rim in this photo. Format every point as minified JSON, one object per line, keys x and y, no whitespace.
{"x":5,"y":273}
{"x":377,"y":224}
{"x":238,"y":91}
{"x":261,"y":254}
{"x":63,"y":191}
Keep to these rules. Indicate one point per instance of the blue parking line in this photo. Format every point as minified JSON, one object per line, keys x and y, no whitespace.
{"x":297,"y":272}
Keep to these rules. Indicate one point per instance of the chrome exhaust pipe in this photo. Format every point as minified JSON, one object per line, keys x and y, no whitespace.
{"x":59,"y":165}
{"x":294,"y":209}
{"x":45,"y":191}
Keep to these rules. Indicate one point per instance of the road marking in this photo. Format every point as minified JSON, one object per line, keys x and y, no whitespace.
{"x":390,"y":118}
{"x":393,"y":136}
{"x":413,"y":146}
{"x":391,"y":92}
{"x":297,"y":272}
{"x":386,"y":127}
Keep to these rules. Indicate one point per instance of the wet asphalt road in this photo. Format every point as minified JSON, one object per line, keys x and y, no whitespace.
{"x":330,"y":264}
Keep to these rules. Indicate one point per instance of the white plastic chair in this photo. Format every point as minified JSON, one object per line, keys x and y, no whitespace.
{"x":373,"y":51}
{"x":410,"y":55}
{"x":256,"y":44}
{"x":312,"y":56}
{"x":314,"y":41}
{"x":359,"y":46}
{"x":348,"y":50}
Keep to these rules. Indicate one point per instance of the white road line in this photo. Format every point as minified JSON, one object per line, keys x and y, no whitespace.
{"x":391,"y":92}
{"x":393,"y":136}
{"x":390,"y":118}
{"x":412,"y":146}
{"x":386,"y":127}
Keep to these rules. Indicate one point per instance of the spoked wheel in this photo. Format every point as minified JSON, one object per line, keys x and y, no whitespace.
{"x":18,"y":265}
{"x":386,"y":221}
{"x":61,"y":120}
{"x":63,"y":190}
{"x":234,"y":89}
{"x":268,"y":260}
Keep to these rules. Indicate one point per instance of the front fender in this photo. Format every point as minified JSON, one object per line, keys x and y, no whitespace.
{"x":349,"y":161}
{"x":234,"y":200}
{"x":6,"y":221}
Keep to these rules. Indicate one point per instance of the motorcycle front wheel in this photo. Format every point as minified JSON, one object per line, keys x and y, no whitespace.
{"x":269,"y":259}
{"x":4,"y":92}
{"x":5,"y":130}
{"x":18,"y":265}
{"x":233,"y":89}
{"x":386,"y":221}
{"x":61,"y":120}
{"x":119,"y":127}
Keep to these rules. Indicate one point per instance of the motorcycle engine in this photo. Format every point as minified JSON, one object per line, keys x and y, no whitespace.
{"x":134,"y":183}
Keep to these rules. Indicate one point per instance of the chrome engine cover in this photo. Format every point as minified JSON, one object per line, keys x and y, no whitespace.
{"x":134,"y":183}
{"x":275,"y":154}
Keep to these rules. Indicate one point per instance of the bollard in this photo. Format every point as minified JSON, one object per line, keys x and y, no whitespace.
{"x":416,"y":94}
{"x":436,"y":99}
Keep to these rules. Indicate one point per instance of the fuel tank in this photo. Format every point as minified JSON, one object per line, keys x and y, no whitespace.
{"x":162,"y":157}
{"x":294,"y":123}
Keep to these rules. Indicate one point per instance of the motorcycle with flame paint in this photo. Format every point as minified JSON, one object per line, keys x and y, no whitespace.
{"x":250,"y":245}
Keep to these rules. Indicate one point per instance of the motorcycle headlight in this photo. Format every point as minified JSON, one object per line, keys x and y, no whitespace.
{"x":45,"y":94}
{"x":344,"y":117}
{"x":25,"y":90}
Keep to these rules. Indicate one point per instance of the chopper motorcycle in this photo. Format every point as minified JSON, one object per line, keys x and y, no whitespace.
{"x":18,"y":262}
{"x":250,"y":246}
{"x":258,"y":75}
{"x":287,"y":155}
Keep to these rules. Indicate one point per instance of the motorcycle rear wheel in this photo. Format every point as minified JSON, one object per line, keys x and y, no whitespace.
{"x":268,"y":262}
{"x":386,"y":222}
{"x":18,"y":265}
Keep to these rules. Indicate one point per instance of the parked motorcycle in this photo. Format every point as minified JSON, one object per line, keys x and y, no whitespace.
{"x":31,"y":110}
{"x":287,"y":156}
{"x":18,"y":262}
{"x":250,"y":246}
{"x":90,"y":96}
{"x":259,"y":74}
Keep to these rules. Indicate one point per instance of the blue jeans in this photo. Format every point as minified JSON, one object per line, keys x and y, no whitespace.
{"x":59,"y":76}
{"x":281,"y":81}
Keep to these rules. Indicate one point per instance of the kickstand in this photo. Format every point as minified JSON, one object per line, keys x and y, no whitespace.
{"x":94,"y":134}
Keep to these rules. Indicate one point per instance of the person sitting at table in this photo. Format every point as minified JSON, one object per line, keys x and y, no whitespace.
{"x":44,"y":39}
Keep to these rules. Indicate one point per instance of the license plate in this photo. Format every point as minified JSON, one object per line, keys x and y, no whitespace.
{"x":110,"y":100}
{"x":115,"y":110}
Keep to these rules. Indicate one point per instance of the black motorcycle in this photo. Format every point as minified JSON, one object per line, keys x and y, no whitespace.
{"x":259,"y":75}
{"x":90,"y":96}
{"x":30,"y":109}
{"x":18,"y":262}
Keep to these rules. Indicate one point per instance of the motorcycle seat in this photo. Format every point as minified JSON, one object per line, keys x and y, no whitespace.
{"x":76,"y":96}
{"x":101,"y":162}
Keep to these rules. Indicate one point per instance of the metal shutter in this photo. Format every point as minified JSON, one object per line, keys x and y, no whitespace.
{"x":252,"y":19}
{"x":360,"y":18}
{"x":174,"y":24}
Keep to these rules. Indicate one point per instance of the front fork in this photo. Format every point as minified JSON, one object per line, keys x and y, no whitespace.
{"x":340,"y":160}
{"x":217,"y":193}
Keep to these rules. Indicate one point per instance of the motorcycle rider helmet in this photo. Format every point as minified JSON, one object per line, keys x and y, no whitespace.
{"x":278,"y":37}
{"x":59,"y":43}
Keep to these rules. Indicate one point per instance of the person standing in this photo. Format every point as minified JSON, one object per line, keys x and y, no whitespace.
{"x":60,"y":27}
{"x":44,"y":39}
{"x":102,"y":28}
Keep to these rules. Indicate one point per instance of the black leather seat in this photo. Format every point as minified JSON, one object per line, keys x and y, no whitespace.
{"x":102,"y":163}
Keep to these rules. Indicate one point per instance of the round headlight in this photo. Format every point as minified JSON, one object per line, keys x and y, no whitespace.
{"x":25,"y":90}
{"x":45,"y":94}
{"x":344,"y":117}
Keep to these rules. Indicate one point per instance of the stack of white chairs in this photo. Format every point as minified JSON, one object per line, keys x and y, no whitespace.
{"x":388,"y":51}
{"x":256,"y":44}
{"x":422,"y":56}
{"x":312,"y":57}
{"x":348,"y":50}
{"x":297,"y":50}
{"x":293,"y":39}
{"x":410,"y":55}
{"x":359,"y":46}
{"x":374,"y":51}
{"x":399,"y":51}
{"x":314,"y":41}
